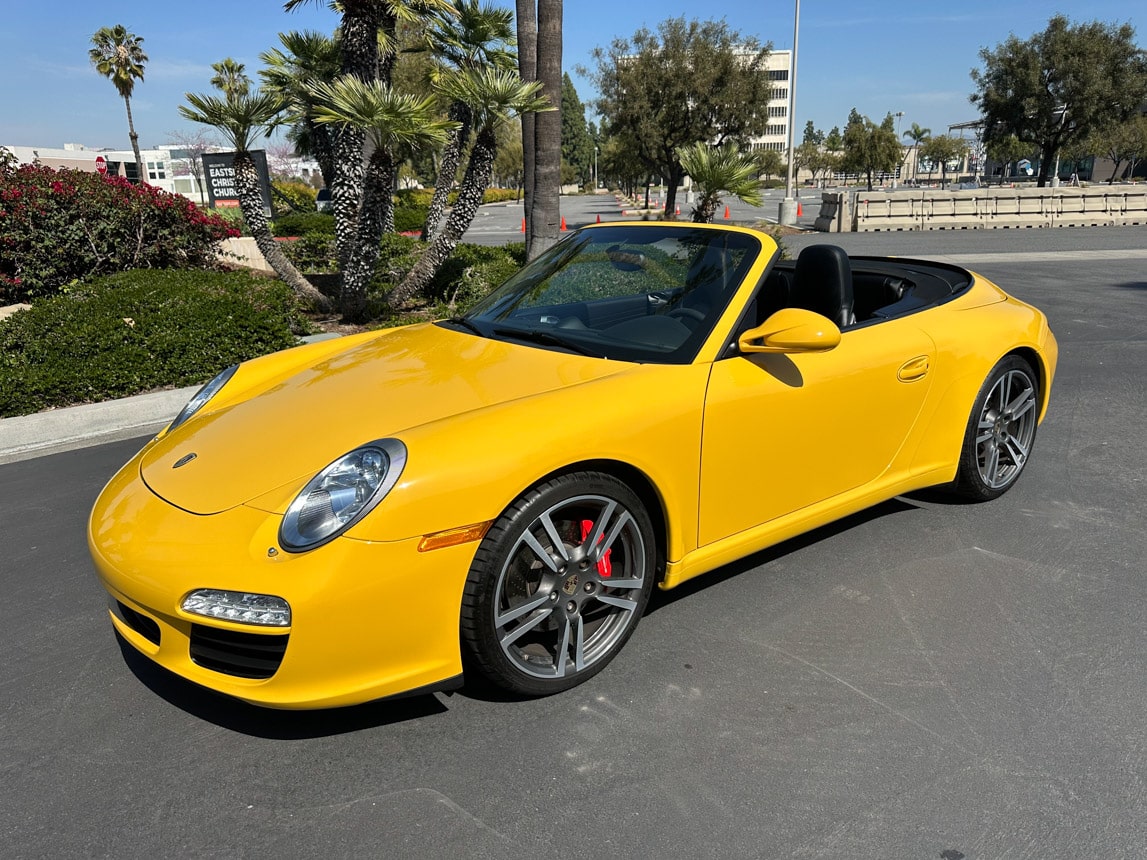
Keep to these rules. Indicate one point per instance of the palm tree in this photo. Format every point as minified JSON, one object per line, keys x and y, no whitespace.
{"x":527,"y":27}
{"x":369,"y":45}
{"x":230,"y":77}
{"x":240,"y":119}
{"x":494,"y":96}
{"x":307,"y":58}
{"x":546,"y":211}
{"x":390,"y":121}
{"x":918,"y":136}
{"x":478,"y":35}
{"x":716,"y":171}
{"x":117,"y":56}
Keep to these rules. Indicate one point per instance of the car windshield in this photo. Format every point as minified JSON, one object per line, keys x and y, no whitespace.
{"x":645,"y":293}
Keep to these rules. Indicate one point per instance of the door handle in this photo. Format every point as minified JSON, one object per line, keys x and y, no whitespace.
{"x":913,"y":369}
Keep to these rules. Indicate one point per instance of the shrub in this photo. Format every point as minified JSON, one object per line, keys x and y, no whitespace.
{"x":414,"y":197}
{"x":137,"y":331}
{"x":468,"y":275}
{"x":59,"y":227}
{"x":313,"y":252}
{"x":408,"y":219}
{"x":233,"y":217}
{"x":301,"y":223}
{"x":297,"y":195}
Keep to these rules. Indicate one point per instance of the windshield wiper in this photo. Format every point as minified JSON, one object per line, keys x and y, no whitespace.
{"x":466,"y":324}
{"x":547,"y":338}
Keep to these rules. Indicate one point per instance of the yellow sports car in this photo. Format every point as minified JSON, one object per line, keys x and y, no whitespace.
{"x":362,"y":517}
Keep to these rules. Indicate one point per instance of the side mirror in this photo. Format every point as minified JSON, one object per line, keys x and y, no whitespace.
{"x":791,"y":330}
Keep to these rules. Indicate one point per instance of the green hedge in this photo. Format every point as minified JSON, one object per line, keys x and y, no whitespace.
{"x":301,"y":223}
{"x":137,"y":331}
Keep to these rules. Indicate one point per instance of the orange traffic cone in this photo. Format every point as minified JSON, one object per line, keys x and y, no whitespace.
{"x":678,"y":212}
{"x":800,"y":211}
{"x":598,"y":219}
{"x":563,"y":223}
{"x":726,"y":213}
{"x":523,"y":225}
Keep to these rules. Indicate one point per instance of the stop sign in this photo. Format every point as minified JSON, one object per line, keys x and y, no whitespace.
{"x":101,"y":164}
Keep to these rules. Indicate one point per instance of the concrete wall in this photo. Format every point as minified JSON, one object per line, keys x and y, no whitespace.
{"x":242,"y":251}
{"x":984,"y":208}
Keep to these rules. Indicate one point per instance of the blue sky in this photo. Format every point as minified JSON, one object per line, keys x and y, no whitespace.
{"x":877,"y":55}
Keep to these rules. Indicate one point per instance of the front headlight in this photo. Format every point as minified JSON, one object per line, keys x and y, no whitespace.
{"x":202,"y":396}
{"x":342,"y":494}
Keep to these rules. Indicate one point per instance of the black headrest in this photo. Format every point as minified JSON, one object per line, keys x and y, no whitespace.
{"x":822,"y":282}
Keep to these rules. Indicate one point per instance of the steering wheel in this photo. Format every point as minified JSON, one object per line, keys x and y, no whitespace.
{"x":689,"y":316}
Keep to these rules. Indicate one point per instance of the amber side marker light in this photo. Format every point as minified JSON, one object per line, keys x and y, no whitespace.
{"x":454,"y":537}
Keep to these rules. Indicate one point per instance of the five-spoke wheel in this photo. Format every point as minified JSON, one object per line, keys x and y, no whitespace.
{"x":1001,"y":430}
{"x":559,"y":583}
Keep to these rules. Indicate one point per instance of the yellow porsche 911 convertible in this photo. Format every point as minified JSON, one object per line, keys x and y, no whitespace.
{"x":362,"y":517}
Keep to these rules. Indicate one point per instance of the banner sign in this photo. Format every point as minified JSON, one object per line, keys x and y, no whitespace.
{"x":219,"y":174}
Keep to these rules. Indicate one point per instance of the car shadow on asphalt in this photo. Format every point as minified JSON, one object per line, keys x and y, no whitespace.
{"x":661,"y":599}
{"x":269,"y":723}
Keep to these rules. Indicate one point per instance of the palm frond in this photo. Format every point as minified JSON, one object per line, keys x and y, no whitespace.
{"x":239,"y":119}
{"x":391,"y":119}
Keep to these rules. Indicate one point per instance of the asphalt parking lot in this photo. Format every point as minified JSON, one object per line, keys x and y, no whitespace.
{"x":923,"y":680}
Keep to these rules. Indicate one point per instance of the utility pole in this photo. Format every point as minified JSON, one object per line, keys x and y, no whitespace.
{"x":788,"y":210}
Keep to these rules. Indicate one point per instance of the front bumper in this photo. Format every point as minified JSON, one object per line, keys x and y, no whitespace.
{"x":369,"y":619}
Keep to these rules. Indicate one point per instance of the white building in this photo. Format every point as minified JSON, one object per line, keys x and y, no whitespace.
{"x":776,"y":136}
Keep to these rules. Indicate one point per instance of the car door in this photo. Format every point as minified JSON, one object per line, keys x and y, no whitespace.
{"x":782,"y":432}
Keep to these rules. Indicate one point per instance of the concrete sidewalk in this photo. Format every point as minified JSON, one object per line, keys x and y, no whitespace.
{"x":29,"y":436}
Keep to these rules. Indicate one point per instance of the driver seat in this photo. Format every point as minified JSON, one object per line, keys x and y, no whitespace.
{"x":822,"y":282}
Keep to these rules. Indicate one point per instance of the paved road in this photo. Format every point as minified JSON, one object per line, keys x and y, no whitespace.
{"x":924,"y":680}
{"x":497,"y":224}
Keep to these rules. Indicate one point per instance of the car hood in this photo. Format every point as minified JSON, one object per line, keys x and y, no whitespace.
{"x":290,"y":430}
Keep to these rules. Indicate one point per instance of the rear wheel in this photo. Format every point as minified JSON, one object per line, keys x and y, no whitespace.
{"x":1001,"y":431}
{"x":559,"y":583}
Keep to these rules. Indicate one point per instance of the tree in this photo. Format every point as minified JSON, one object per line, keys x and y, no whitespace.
{"x":305,"y":59}
{"x":833,"y":141}
{"x":476,"y":36}
{"x":812,"y":134}
{"x":869,"y":148}
{"x":495,"y":97}
{"x":230,"y":78}
{"x":619,"y":162}
{"x":917,"y":135}
{"x":577,"y":144}
{"x":716,"y":171}
{"x":1124,"y":142}
{"x":690,"y":81}
{"x":507,"y":170}
{"x":194,"y":144}
{"x":1060,"y":86}
{"x":1006,"y":150}
{"x":390,"y":121}
{"x":769,"y":162}
{"x":540,"y":59}
{"x":119,"y":57}
{"x":240,"y":119}
{"x":943,"y":149}
{"x":368,"y":46}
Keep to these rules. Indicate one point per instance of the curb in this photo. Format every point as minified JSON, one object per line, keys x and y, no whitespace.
{"x":57,"y":430}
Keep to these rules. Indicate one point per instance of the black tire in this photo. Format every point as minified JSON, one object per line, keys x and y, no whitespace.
{"x":1001,"y":431}
{"x":546,"y":605}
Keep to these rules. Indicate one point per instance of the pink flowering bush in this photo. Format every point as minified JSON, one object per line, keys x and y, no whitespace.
{"x":60,"y":227}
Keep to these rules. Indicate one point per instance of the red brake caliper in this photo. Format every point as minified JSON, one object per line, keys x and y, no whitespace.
{"x":604,"y":567}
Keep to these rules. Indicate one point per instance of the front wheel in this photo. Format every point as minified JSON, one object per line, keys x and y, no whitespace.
{"x":559,"y":583}
{"x":1000,"y":432}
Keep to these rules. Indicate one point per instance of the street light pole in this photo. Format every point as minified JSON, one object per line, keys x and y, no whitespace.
{"x":595,"y":169}
{"x":788,"y":209}
{"x":899,"y":116}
